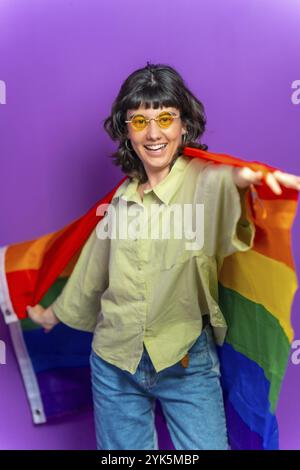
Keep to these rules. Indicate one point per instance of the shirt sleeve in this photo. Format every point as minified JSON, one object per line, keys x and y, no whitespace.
{"x":79,"y":303}
{"x":226,"y":226}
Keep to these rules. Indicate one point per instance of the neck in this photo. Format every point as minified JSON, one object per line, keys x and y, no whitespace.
{"x":155,"y":177}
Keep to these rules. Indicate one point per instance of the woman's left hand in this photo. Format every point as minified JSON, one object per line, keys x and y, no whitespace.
{"x":244,"y":177}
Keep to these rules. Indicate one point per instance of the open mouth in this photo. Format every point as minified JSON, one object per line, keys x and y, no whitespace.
{"x":155,"y":149}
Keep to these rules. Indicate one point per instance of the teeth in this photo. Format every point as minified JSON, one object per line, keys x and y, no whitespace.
{"x":155,"y":147}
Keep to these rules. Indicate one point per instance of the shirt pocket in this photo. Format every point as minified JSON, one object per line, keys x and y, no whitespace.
{"x":175,"y":253}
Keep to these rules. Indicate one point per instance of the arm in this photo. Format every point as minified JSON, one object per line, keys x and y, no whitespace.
{"x":78,"y":304}
{"x":227,"y":228}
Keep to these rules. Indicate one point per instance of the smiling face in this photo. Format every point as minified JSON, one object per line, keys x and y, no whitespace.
{"x":155,"y":161}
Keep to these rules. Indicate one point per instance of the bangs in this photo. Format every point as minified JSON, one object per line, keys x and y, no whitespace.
{"x":151,"y":97}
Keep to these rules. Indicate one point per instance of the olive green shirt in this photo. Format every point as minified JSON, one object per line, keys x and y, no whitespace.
{"x":153,"y":291}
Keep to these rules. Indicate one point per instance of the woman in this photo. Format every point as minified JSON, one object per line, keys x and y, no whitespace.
{"x":151,"y":300}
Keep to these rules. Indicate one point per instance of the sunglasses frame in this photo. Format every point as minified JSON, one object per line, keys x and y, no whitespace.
{"x":173,"y":115}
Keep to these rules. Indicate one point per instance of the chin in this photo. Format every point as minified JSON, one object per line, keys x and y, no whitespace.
{"x":159,"y":159}
{"x":159,"y":163}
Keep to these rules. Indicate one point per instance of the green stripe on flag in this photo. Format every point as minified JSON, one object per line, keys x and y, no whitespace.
{"x":256,"y":333}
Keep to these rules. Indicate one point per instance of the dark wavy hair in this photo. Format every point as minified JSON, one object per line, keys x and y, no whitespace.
{"x":153,"y":86}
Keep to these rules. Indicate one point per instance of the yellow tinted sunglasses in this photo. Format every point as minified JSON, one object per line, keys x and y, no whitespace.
{"x":164,"y":120}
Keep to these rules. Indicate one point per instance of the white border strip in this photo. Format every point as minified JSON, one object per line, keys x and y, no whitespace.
{"x":28,"y":374}
{"x":5,"y":302}
{"x":23,"y":358}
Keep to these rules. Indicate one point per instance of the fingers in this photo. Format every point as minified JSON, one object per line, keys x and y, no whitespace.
{"x":34,"y":313}
{"x":288,"y":180}
{"x":37,"y":315}
{"x":273,"y":184}
{"x":256,"y":177}
{"x":251,"y":176}
{"x":244,"y":177}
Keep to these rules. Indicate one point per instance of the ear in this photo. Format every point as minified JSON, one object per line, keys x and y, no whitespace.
{"x":184,"y":128}
{"x":184,"y":131}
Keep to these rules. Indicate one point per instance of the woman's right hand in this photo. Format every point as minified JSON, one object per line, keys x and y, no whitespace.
{"x":44,"y":317}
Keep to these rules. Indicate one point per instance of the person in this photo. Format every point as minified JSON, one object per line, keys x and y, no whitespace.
{"x":152,"y":301}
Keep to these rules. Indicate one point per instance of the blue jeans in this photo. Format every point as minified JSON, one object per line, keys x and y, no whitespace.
{"x":191,"y":400}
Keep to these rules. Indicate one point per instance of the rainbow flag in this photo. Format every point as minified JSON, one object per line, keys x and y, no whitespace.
{"x":256,"y":290}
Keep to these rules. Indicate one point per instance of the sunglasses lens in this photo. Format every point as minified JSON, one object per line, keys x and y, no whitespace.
{"x":139,"y":122}
{"x":165,"y":120}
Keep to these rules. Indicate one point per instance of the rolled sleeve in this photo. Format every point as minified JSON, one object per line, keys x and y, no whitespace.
{"x":79,"y":303}
{"x":227,"y":228}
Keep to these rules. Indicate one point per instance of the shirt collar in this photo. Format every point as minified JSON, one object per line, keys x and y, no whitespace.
{"x":164,"y":190}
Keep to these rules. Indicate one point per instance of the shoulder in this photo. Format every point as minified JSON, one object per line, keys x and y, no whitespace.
{"x":194,"y":168}
{"x":123,"y":187}
{"x":196,"y":165}
{"x":208,"y":168}
{"x":217,"y":174}
{"x":215,"y":182}
{"x":208,"y":171}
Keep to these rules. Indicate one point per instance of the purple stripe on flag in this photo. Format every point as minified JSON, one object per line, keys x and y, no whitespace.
{"x":65,"y":391}
{"x":241,"y":437}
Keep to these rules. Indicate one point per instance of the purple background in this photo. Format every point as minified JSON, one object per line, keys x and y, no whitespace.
{"x":63,"y":62}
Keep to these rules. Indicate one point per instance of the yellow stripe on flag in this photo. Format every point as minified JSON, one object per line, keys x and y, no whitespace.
{"x":264,"y":281}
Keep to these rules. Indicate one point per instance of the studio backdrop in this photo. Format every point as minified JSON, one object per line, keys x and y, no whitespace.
{"x":61,"y":65}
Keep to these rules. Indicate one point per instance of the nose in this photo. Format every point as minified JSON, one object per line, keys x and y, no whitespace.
{"x":153,"y":130}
